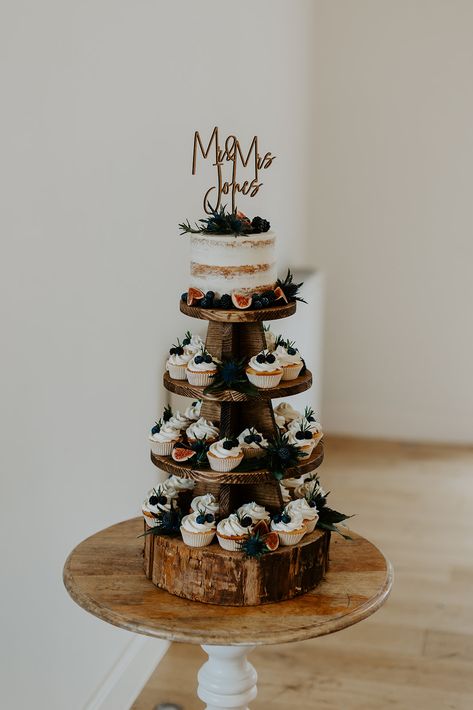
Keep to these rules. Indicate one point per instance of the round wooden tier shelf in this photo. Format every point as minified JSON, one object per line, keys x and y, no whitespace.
{"x":284,"y":389}
{"x":213,"y":575}
{"x":236,"y":316}
{"x":104,"y":575}
{"x":206,"y":475}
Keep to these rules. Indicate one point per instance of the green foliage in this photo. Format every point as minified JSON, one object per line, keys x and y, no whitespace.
{"x":290,"y":288}
{"x":169,"y":523}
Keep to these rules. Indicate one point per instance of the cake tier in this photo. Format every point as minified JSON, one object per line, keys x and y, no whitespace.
{"x":226,"y":263}
{"x":252,"y":316}
{"x":283,"y":389}
{"x":258,"y":475}
{"x":215,"y":576}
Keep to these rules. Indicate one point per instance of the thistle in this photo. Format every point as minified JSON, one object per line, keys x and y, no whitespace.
{"x":254,"y":546}
{"x":168,"y":523}
{"x":282,"y":455}
{"x":231,"y":375}
{"x":290,"y":288}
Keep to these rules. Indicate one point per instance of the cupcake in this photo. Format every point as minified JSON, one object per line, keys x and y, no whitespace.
{"x":264,"y":370}
{"x":302,"y":440}
{"x":198,"y":529}
{"x":192,"y":412}
{"x":287,"y":412}
{"x":224,"y":455}
{"x":289,"y":526}
{"x":293,"y":483}
{"x":201,"y":369}
{"x":254,"y":512}
{"x":163,"y":437}
{"x":307,"y":422}
{"x":201,"y":429}
{"x":310,"y":489}
{"x":252,"y":443}
{"x":183,"y":488}
{"x":176,"y":363}
{"x":179,"y":421}
{"x":192,"y":343}
{"x":309,"y":512}
{"x":208,"y":503}
{"x":231,"y":533}
{"x":158,"y":500}
{"x":289,"y":358}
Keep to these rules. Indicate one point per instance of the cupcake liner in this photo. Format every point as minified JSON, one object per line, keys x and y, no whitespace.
{"x":200,"y":379}
{"x":310,"y":525}
{"x":250,"y":453}
{"x":232,"y":544}
{"x":291,"y":372}
{"x":316,"y":437}
{"x":224,"y":465}
{"x":162,"y":448}
{"x":264,"y":381}
{"x":177,"y":372}
{"x":291,"y":537}
{"x":197,"y":539}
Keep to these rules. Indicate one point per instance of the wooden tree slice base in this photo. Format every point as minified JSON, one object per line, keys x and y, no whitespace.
{"x":283,"y":389}
{"x":235,"y":316}
{"x":215,"y":576}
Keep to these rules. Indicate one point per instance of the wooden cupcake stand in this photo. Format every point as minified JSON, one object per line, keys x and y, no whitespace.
{"x":211,"y":574}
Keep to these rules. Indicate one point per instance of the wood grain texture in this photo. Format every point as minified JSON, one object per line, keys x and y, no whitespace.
{"x":166,"y":463}
{"x":104,"y":575}
{"x":234,"y":316}
{"x":215,"y":576}
{"x":283,"y":389}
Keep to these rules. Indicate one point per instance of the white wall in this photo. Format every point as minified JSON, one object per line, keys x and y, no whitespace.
{"x":99,"y":104}
{"x":392,"y":215}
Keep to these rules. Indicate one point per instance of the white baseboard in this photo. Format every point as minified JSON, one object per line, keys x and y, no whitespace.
{"x":129,"y":674}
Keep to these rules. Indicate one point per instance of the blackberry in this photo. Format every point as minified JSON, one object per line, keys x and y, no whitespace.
{"x":260,"y":358}
{"x":258,"y":304}
{"x":248,"y":439}
{"x":307,"y":435}
{"x":300,"y":435}
{"x":260,"y":225}
{"x":246,"y":521}
{"x":270,"y":295}
{"x":209,"y":518}
{"x":162,"y":500}
{"x":270,"y":358}
{"x":217,"y":303}
{"x":226,"y":301}
{"x":205,"y":303}
{"x":227,"y":445}
{"x":285,"y":518}
{"x":264,"y":302}
{"x":154,"y":500}
{"x":200,"y":519}
{"x":257,"y":438}
{"x":291,"y":351}
{"x":277,"y":518}
{"x":208,"y":359}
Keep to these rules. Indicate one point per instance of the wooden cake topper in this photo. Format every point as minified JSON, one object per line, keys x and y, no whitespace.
{"x":232,"y":153}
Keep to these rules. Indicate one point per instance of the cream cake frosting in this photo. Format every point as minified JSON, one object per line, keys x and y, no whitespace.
{"x":225,"y":263}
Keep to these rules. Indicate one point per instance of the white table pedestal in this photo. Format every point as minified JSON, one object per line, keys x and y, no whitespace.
{"x":227,"y":679}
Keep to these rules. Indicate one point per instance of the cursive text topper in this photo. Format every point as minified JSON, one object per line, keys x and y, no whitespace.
{"x":232,"y":153}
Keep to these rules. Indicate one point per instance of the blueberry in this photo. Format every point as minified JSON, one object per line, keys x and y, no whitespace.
{"x":156,"y":429}
{"x":227,"y":445}
{"x":184,"y":297}
{"x":198,"y":359}
{"x":172,"y":351}
{"x":307,"y":435}
{"x":179,"y":350}
{"x":291,"y":351}
{"x":285,"y":518}
{"x":154,"y":500}
{"x":210,"y":295}
{"x":246,"y":521}
{"x":312,"y":504}
{"x":300,"y":435}
{"x":270,"y":358}
{"x":264,"y":302}
{"x":162,"y":500}
{"x":205,"y":303}
{"x":208,"y":359}
{"x":258,"y":304}
{"x":277,"y":517}
{"x":234,"y":442}
{"x":248,"y":439}
{"x":260,"y":358}
{"x":209,"y":518}
{"x":200,"y":519}
{"x":257,"y":438}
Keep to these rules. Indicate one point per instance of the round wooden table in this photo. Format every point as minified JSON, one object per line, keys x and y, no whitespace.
{"x":104,"y":575}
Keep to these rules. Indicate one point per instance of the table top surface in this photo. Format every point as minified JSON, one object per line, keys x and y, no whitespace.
{"x":104,"y":575}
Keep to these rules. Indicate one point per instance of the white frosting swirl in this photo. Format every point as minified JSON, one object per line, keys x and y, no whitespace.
{"x":294,"y":482}
{"x":231,"y":527}
{"x":300,"y":505}
{"x":178,"y":483}
{"x":287,"y":411}
{"x":217,"y":450}
{"x":286,"y":359}
{"x":253,"y":445}
{"x":165,"y":434}
{"x":202,"y":427}
{"x":207,"y":502}
{"x":178,"y":359}
{"x":190,"y":524}
{"x":201,"y":366}
{"x":196,"y":344}
{"x":178,"y":421}
{"x":296,"y":523}
{"x":170,"y":495}
{"x":264,"y":366}
{"x":303,"y":423}
{"x":192,"y":412}
{"x":280,"y":421}
{"x":254,"y":511}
